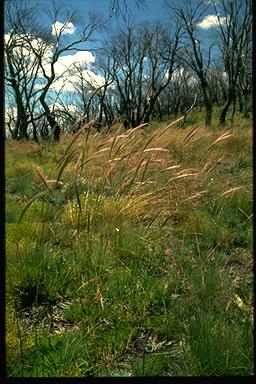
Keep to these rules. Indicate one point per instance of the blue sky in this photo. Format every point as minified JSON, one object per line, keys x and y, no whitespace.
{"x":151,"y":11}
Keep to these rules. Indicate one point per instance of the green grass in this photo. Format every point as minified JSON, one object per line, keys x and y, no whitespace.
{"x":140,"y":263}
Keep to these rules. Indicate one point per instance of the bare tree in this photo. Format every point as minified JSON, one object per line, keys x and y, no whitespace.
{"x":91,"y":89}
{"x":58,"y":43}
{"x":103,"y":68}
{"x":219,"y":83}
{"x":244,"y":86}
{"x":194,"y":54}
{"x":180,"y":93}
{"x":21,"y":68}
{"x":235,"y":36}
{"x":144,"y":60}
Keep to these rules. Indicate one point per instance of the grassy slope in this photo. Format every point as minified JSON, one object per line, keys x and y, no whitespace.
{"x":140,"y":263}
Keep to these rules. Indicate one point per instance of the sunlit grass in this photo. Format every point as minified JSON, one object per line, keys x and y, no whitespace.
{"x":129,"y":253}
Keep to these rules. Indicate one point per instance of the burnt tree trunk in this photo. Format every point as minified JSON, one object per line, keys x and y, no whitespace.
{"x":21,"y":126}
{"x":222,"y":119}
{"x":207,"y":102}
{"x":55,"y":128}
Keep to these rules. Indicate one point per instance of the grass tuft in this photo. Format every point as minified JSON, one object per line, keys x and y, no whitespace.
{"x":133,"y":256}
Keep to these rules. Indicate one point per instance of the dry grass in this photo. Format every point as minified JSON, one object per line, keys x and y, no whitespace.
{"x":143,"y":240}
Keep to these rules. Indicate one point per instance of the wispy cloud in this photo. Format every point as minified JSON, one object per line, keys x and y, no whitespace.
{"x":211,"y":21}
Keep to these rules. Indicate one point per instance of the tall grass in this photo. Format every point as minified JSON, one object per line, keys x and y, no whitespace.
{"x":129,"y":253}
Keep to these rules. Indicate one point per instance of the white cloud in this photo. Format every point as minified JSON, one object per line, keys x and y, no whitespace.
{"x":72,"y":108}
{"x":68,"y":61}
{"x":63,"y":84}
{"x":11,"y":111}
{"x":66,"y":64}
{"x":65,"y":70}
{"x":210,"y":2}
{"x":22,"y":47}
{"x":92,"y":78}
{"x":55,"y":105}
{"x":66,"y":28}
{"x":66,"y":82}
{"x":211,"y":21}
{"x":181,"y":74}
